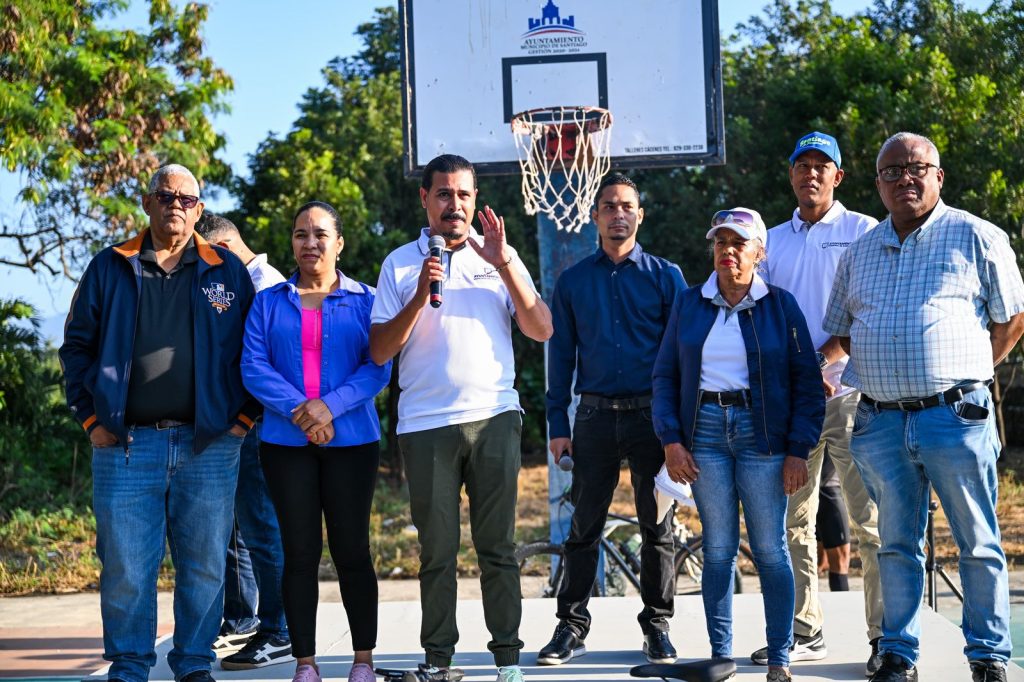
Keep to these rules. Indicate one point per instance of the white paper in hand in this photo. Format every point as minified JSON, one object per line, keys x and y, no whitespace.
{"x":680,"y":492}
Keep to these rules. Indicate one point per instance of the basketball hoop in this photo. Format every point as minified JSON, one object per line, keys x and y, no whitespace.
{"x":572,"y":142}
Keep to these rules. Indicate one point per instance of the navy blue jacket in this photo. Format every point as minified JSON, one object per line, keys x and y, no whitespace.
{"x":99,"y":339}
{"x":787,"y":395}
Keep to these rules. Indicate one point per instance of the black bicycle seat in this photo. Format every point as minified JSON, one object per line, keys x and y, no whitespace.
{"x":711,"y":670}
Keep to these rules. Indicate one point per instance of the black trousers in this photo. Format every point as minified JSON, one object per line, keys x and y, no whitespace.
{"x":601,"y":440}
{"x":307,"y":483}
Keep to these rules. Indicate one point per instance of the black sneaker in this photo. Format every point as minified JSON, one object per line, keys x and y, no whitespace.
{"x":875,"y":661}
{"x":565,"y":644}
{"x":198,"y":676}
{"x":265,"y":648}
{"x":230,"y":642}
{"x":894,"y":669}
{"x":658,"y":648}
{"x":988,"y":671}
{"x":805,"y":648}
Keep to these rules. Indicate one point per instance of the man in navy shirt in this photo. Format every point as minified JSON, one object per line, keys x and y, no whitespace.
{"x":610,"y":311}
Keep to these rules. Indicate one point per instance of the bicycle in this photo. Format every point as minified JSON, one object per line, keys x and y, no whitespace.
{"x":622,"y":563}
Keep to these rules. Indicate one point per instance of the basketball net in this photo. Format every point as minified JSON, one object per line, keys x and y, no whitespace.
{"x":563,"y":142}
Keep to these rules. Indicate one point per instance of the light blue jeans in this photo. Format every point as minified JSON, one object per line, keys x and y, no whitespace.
{"x":160,"y":492}
{"x":733,"y":472}
{"x":901,"y":456}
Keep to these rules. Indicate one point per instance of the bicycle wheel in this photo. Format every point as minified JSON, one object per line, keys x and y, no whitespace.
{"x":535,"y":560}
{"x":690,"y":567}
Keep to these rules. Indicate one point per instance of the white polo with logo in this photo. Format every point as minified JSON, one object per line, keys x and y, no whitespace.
{"x":457,"y":366}
{"x":803,"y":261}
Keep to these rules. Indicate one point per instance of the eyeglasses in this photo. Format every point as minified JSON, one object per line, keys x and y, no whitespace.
{"x":894,"y":173}
{"x":187,"y":201}
{"x":741,"y":218}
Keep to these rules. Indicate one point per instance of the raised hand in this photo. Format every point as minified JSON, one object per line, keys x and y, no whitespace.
{"x":494,"y":250}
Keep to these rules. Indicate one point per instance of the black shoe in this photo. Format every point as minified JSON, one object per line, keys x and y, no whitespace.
{"x":565,"y":644}
{"x":658,"y":648}
{"x":894,"y":669}
{"x":805,"y":648}
{"x":230,"y":642}
{"x":265,"y":648}
{"x":198,"y":676}
{"x":988,"y":671}
{"x":875,"y":660}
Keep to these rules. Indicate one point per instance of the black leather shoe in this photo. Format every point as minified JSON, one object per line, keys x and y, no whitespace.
{"x":658,"y":648}
{"x":198,"y":676}
{"x":894,"y":669}
{"x":988,"y":671}
{"x":565,"y":644}
{"x":874,"y":660}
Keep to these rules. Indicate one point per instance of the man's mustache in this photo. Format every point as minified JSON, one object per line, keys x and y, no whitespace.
{"x":454,"y":215}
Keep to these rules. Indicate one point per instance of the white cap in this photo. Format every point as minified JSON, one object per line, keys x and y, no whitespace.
{"x":746,"y":222}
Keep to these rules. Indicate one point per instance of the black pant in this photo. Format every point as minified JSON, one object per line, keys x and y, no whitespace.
{"x":601,"y":439}
{"x":338,"y":483}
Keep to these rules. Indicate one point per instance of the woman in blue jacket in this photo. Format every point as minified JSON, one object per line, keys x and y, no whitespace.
{"x":306,"y":358}
{"x":738,"y":403}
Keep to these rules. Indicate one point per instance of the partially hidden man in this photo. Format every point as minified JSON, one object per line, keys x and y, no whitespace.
{"x":151,"y":356}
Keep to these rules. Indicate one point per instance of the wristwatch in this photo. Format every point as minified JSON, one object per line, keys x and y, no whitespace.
{"x":822,"y":360}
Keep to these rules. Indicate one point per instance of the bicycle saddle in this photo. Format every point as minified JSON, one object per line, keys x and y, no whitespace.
{"x":711,"y":670}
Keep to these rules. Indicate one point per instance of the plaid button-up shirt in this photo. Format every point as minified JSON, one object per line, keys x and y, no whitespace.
{"x":917,"y":313}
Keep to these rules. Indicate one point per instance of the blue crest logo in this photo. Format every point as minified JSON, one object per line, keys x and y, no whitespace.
{"x":551,"y":22}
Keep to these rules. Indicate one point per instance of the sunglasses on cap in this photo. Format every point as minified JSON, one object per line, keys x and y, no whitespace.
{"x":187,"y":201}
{"x":741,"y":218}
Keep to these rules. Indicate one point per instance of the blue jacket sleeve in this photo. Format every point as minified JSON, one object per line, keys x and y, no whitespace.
{"x":665,"y":383}
{"x":561,"y":361}
{"x":806,"y":391}
{"x":80,"y":350}
{"x":260,"y":377}
{"x":361,"y":386}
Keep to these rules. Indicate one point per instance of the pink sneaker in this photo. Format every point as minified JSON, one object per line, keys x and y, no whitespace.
{"x":306,"y":673}
{"x":361,"y":672}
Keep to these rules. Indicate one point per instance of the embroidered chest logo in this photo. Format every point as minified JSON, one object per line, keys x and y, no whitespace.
{"x":219,"y":297}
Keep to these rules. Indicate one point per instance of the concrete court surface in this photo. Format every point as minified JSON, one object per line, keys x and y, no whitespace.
{"x":614,"y":642}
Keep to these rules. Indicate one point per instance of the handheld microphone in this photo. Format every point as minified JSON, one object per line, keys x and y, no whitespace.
{"x":436,"y":246}
{"x":565,"y":462}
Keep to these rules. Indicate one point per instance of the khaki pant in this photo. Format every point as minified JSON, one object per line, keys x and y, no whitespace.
{"x":803,"y":510}
{"x":484,"y":456}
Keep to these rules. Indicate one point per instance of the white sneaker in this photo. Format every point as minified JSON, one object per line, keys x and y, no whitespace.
{"x":510,"y":673}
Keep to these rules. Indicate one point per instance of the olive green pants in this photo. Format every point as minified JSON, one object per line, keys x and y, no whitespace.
{"x":484,"y":456}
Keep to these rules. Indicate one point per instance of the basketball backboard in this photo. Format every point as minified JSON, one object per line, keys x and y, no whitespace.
{"x":468,"y":66}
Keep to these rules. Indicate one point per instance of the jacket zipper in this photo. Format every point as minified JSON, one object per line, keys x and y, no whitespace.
{"x":128,"y":366}
{"x":760,"y":374}
{"x":796,"y":341}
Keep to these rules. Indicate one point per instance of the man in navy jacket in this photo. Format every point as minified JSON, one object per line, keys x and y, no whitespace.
{"x":151,"y":355}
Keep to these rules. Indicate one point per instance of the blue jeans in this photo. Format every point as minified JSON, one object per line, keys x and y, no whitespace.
{"x":901,"y":455}
{"x":733,"y":472}
{"x":160,"y":492}
{"x":255,"y":561}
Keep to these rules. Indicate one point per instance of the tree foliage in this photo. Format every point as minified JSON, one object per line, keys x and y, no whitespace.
{"x":90,"y":112}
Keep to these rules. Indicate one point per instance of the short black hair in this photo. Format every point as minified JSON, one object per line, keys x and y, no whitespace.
{"x":210,"y":226}
{"x":446,"y":163}
{"x":616,"y":179}
{"x":323,"y":206}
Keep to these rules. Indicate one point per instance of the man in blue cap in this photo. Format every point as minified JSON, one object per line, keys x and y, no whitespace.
{"x":802,"y":257}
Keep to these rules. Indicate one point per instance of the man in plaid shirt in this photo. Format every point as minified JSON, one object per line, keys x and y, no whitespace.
{"x":926,"y":304}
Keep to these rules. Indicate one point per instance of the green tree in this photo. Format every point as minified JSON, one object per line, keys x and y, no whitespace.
{"x":90,"y":112}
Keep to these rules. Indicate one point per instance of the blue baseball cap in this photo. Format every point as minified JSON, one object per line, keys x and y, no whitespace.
{"x":826,"y":144}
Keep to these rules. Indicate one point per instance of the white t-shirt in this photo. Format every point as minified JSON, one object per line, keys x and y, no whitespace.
{"x":804,"y":261}
{"x":457,"y":366}
{"x":263,"y":274}
{"x":723,"y":360}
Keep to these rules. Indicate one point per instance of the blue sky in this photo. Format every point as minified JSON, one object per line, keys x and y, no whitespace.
{"x":275,"y":51}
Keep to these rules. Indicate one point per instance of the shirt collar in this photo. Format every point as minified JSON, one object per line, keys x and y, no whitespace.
{"x":425,"y":235}
{"x":345,"y":284}
{"x":758,"y":289}
{"x":830,"y":217}
{"x":634,"y":255}
{"x":188,"y":255}
{"x":890,"y":238}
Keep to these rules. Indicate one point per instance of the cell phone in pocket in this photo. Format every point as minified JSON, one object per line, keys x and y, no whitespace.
{"x":971,"y":411}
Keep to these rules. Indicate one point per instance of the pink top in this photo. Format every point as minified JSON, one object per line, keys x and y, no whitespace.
{"x":312,"y":346}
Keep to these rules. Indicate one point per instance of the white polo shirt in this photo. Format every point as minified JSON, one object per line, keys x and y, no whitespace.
{"x":457,"y":366}
{"x":803,"y":261}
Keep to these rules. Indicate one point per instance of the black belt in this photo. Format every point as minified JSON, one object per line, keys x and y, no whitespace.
{"x":164,"y":424}
{"x":618,"y":404}
{"x":953,"y":395}
{"x":726,"y":398}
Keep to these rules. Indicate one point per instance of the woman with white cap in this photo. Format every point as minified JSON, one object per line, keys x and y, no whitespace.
{"x":738,"y":404}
